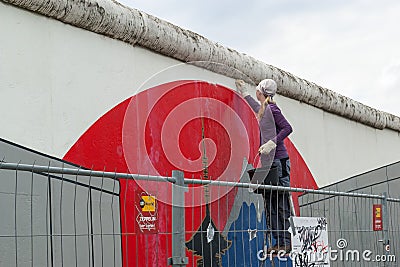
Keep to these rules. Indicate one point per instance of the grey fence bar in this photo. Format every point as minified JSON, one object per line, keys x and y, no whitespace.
{"x":178,"y":222}
{"x":113,"y":175}
{"x":81,"y":172}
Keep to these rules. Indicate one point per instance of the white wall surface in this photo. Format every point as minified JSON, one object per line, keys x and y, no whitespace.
{"x":335,"y":148}
{"x":56,"y":80}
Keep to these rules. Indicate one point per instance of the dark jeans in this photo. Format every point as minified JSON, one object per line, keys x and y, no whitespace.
{"x":278,"y":207}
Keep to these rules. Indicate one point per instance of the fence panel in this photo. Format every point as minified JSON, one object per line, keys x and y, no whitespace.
{"x":59,"y":216}
{"x":351,"y":231}
{"x":58,"y":220}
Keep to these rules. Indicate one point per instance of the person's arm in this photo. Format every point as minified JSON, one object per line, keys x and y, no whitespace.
{"x":255,"y":106}
{"x":282,"y":123}
{"x":242,"y":90}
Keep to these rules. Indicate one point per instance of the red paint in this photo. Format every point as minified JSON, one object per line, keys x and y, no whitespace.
{"x":129,"y":138}
{"x":300,"y":174}
{"x":377,"y":223}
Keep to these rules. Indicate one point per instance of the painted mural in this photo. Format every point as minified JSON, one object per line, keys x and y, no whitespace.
{"x":191,"y":126}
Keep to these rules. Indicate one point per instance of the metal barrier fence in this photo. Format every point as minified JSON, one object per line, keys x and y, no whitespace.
{"x":52,"y":216}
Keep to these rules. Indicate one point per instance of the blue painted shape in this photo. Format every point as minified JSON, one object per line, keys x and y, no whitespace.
{"x":243,"y":252}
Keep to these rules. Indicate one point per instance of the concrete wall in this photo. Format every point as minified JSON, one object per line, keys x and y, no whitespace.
{"x":56,"y":80}
{"x":336,"y":148}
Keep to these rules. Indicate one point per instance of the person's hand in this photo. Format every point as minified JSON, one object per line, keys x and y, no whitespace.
{"x":241,"y":87}
{"x":267,"y":147}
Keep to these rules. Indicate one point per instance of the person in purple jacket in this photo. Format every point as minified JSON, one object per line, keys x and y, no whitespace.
{"x":274,"y":128}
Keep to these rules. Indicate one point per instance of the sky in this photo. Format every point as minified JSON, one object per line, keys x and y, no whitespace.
{"x":351,"y":47}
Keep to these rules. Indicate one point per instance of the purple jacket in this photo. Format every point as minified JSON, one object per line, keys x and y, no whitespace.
{"x":273,"y":126}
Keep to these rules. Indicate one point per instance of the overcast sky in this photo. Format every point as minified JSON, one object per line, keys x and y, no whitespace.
{"x":351,"y":47}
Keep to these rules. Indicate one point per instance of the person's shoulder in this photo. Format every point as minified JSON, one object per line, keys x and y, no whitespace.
{"x":274,"y":108}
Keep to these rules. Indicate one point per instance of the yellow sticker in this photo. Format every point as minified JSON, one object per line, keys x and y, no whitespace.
{"x":149,"y":203}
{"x":378,"y":212}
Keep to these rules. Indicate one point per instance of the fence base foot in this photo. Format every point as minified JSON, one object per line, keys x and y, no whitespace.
{"x":178,"y":261}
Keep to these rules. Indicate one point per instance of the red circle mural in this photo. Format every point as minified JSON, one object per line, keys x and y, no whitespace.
{"x":186,"y":125}
{"x":181,"y":125}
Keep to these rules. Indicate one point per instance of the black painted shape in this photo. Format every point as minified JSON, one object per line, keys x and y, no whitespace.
{"x":210,"y":253}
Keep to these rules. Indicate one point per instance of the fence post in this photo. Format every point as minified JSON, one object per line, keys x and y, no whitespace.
{"x":385,"y":224}
{"x":178,"y":258}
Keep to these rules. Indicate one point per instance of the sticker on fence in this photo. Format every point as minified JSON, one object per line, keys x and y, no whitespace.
{"x":377,"y":217}
{"x":310,"y":242}
{"x":146,"y":206}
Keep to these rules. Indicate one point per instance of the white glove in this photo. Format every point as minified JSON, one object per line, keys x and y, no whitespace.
{"x":267,"y":147}
{"x":241,"y":88}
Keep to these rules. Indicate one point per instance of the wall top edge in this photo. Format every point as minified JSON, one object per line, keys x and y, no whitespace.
{"x":129,"y":25}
